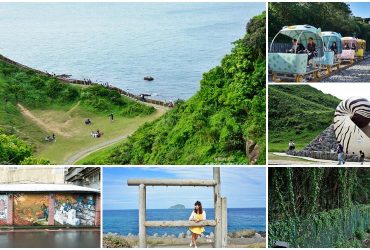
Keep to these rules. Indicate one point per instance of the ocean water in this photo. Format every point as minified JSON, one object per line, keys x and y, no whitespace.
{"x":120,"y":43}
{"x":126,"y":221}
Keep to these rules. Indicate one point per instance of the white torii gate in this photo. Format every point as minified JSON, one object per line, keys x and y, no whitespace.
{"x":220,"y":207}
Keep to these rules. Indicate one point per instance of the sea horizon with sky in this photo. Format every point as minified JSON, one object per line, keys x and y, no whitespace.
{"x":126,"y":221}
{"x":121,"y":43}
{"x":244,"y":188}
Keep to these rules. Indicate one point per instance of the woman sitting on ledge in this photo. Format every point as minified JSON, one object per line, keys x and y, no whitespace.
{"x":197,"y":215}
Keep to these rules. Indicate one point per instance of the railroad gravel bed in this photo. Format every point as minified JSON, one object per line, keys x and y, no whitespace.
{"x":357,"y":73}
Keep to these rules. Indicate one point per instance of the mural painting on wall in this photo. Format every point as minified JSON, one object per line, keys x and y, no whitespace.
{"x":74,"y":209}
{"x":31,"y":209}
{"x":3,"y":209}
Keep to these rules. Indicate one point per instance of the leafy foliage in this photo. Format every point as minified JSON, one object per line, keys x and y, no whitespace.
{"x":13,"y":150}
{"x":35,"y":90}
{"x":213,"y":125}
{"x":115,"y":241}
{"x":340,"y":19}
{"x":298,"y":113}
{"x":318,"y":207}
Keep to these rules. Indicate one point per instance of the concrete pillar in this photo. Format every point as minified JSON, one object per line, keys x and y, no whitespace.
{"x":10,"y":209}
{"x":97,"y":210}
{"x":224,"y":222}
{"x":142,"y":216}
{"x":217,"y":206}
{"x":51,"y":209}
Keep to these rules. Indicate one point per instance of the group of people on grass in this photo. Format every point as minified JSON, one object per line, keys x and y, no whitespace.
{"x":88,"y":121}
{"x":51,"y":138}
{"x":98,"y":133}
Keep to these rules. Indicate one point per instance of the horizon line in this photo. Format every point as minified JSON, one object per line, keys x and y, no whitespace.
{"x":173,"y":208}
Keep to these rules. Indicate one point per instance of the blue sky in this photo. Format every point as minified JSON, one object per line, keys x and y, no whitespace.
{"x":243,"y":186}
{"x":360,"y":9}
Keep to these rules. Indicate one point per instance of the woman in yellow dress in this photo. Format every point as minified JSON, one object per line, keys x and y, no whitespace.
{"x":197,"y":215}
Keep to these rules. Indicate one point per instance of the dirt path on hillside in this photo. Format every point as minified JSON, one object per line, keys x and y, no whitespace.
{"x":61,"y":128}
{"x":87,"y":151}
{"x":50,"y":126}
{"x":47,"y":127}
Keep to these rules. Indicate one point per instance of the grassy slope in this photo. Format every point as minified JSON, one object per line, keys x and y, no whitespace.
{"x":298,"y":113}
{"x":63,"y":107}
{"x":77,"y":134}
{"x":211,"y":127}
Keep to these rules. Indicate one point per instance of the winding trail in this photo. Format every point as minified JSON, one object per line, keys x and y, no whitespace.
{"x":87,"y":151}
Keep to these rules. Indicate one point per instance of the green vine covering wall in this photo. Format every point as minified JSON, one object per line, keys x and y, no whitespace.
{"x":319,"y":207}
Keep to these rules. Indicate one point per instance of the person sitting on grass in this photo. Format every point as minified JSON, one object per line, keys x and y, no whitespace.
{"x":88,"y":121}
{"x":96,"y":134}
{"x":197,"y":215}
{"x":291,"y":145}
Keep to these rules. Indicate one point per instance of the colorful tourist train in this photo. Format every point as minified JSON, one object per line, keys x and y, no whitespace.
{"x":305,"y":53}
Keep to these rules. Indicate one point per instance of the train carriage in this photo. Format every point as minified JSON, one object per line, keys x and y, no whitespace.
{"x":332,"y":50}
{"x":293,"y":62}
{"x":361,"y":48}
{"x":349,"y":49}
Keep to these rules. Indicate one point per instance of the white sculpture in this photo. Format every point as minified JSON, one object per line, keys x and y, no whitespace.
{"x":351,"y":125}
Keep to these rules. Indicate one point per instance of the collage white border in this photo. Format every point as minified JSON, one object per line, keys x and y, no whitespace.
{"x":266,"y":166}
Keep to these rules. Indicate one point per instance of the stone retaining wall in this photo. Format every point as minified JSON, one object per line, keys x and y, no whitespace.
{"x":323,"y":147}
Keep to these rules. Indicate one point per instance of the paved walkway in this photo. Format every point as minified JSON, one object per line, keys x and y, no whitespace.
{"x":300,"y":160}
{"x":360,"y":72}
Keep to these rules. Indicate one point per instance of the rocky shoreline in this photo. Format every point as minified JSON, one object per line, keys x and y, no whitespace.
{"x":241,"y":238}
{"x":66,"y":78}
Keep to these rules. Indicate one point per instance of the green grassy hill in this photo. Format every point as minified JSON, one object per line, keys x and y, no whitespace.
{"x":60,"y":108}
{"x":298,"y":113}
{"x":214,"y":125}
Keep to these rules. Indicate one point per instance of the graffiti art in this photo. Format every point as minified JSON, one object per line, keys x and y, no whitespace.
{"x":74,"y":209}
{"x":3,"y":209}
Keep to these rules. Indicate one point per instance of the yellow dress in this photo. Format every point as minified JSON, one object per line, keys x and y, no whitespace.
{"x":197,"y":230}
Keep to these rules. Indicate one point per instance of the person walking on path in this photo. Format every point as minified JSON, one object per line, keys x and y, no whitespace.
{"x":340,"y":154}
{"x":362,"y":157}
{"x":111,"y":117}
